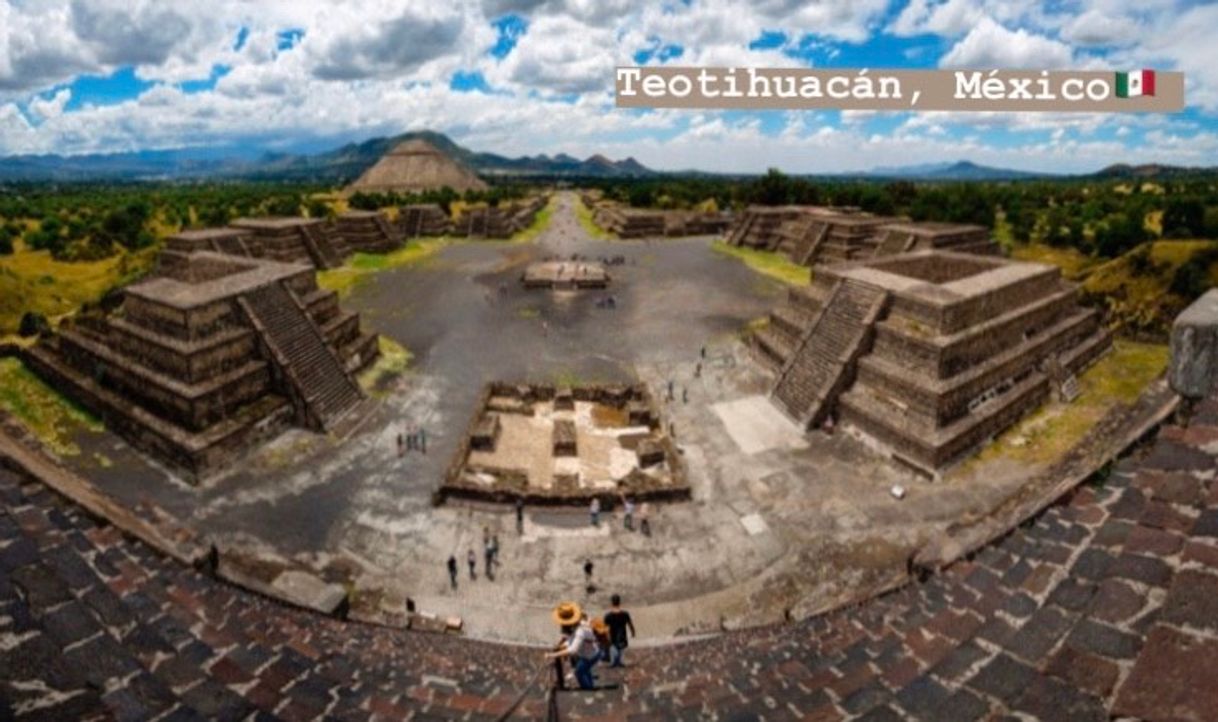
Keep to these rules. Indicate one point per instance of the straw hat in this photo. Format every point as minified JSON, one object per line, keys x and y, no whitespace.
{"x":599,"y":626}
{"x":567,"y":613}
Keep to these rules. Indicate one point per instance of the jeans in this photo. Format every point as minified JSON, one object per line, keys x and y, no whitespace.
{"x":616,"y":655}
{"x":583,"y":672}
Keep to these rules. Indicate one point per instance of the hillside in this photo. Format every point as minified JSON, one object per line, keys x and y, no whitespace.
{"x":1147,"y":287}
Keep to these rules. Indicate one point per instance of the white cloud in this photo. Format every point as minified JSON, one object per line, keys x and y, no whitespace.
{"x":1094,"y":28}
{"x":990,"y":45}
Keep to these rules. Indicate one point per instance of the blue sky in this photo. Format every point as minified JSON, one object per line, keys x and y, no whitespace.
{"x":534,"y":76}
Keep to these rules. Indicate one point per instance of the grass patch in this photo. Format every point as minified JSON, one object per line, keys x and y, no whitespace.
{"x":44,"y":411}
{"x":1117,"y":378}
{"x":540,"y":223}
{"x":774,"y":265}
{"x":583,"y":214}
{"x":33,"y":281}
{"x":1136,"y":287}
{"x":360,"y":266}
{"x":1073,"y":262}
{"x":393,"y":362}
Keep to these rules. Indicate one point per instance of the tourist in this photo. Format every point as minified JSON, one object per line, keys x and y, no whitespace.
{"x":495,"y":549}
{"x":472,"y":560}
{"x":422,"y":439}
{"x":594,"y":511}
{"x":581,"y":646}
{"x":588,"y":576}
{"x":452,"y":570}
{"x":698,"y":370}
{"x":703,"y":352}
{"x":628,"y":513}
{"x":670,"y":394}
{"x":401,"y":446}
{"x":645,"y":519}
{"x":685,"y":394}
{"x":519,"y":515}
{"x":489,"y":554}
{"x":618,"y":620}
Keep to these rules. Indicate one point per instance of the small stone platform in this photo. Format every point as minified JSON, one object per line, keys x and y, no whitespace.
{"x":565,"y":275}
{"x":553,"y":445}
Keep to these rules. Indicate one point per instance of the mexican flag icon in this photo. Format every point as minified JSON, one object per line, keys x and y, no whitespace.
{"x":1135,"y":83}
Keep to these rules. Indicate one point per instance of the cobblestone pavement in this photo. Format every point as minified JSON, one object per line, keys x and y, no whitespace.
{"x":1106,"y":605}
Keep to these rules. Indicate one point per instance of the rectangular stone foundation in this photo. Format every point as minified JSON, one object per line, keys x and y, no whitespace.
{"x":564,"y":446}
{"x":964,"y":346}
{"x":188,"y":371}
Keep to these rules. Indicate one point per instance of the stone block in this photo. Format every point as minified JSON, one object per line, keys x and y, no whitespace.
{"x":1194,"y":348}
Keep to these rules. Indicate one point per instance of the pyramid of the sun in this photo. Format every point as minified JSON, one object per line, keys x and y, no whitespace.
{"x":414,"y":166}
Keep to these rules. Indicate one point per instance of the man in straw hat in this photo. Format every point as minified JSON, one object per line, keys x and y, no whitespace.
{"x":579,"y":642}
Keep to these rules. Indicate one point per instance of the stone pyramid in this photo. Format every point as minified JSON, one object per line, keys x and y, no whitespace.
{"x":414,"y":166}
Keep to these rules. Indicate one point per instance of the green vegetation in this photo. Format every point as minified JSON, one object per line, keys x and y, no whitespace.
{"x":540,"y":223}
{"x":1117,"y":378}
{"x":361,"y":266}
{"x":51,"y":417}
{"x":584,"y":215}
{"x":1146,"y":288}
{"x":774,"y":265}
{"x":444,"y":197}
{"x":34,"y":282}
{"x":393,"y":362}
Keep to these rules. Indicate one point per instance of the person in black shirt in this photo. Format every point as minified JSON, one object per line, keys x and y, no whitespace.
{"x":618,"y":620}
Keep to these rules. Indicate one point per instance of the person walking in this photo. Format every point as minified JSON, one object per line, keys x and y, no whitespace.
{"x":618,"y":620}
{"x":401,"y":446}
{"x":489,"y":554}
{"x":472,"y":560}
{"x":495,"y":549}
{"x":685,"y":394}
{"x":519,"y":515}
{"x":627,"y":513}
{"x":594,"y":511}
{"x":645,"y":519}
{"x":422,"y":439}
{"x":588,"y":576}
{"x":452,"y":570}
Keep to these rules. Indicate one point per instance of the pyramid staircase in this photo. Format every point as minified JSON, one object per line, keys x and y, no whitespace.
{"x":319,"y":382}
{"x":895,"y":242}
{"x":319,"y":246}
{"x":823,"y":362}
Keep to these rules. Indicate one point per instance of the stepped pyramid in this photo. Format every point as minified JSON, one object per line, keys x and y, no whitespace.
{"x":413,"y":166}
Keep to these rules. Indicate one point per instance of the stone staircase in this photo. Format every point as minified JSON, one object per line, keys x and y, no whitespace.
{"x":318,"y":378}
{"x":774,"y":344}
{"x":822,"y":363}
{"x":232,"y":245}
{"x":809,"y":246}
{"x":320,"y":249}
{"x":894,"y":242}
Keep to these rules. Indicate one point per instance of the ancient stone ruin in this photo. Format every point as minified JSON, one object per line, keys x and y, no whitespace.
{"x":565,"y":275}
{"x":320,"y":243}
{"x":423,"y":219}
{"x":814,"y":235}
{"x":480,"y":221}
{"x":627,"y":222}
{"x":212,"y":353}
{"x":565,"y":445}
{"x":928,"y":353}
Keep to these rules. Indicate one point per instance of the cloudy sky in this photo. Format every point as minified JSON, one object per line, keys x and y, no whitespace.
{"x":536,"y":76}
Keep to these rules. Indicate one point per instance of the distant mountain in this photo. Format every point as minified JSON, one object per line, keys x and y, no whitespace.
{"x":959,"y":170}
{"x":338,"y":166}
{"x":1151,"y":170}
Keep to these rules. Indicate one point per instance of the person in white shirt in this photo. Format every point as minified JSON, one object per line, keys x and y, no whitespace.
{"x":584,"y":650}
